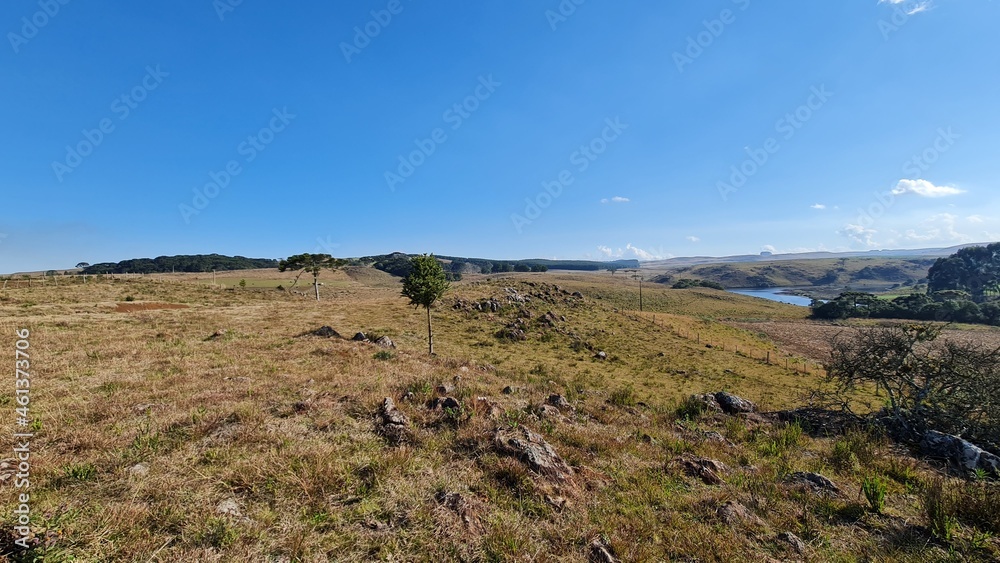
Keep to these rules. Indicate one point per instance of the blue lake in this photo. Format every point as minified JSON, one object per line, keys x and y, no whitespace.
{"x":774,"y":294}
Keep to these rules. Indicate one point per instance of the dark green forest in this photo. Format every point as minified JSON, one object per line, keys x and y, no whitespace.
{"x":181,"y":263}
{"x":963,"y":287}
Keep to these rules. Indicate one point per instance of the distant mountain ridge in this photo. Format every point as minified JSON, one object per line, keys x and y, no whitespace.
{"x":892,"y":253}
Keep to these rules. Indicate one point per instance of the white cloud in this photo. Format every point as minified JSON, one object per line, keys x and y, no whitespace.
{"x":818,"y":206}
{"x":616,"y":199}
{"x":632,"y":251}
{"x":640,"y":253}
{"x":911,"y":7}
{"x":692,"y":238}
{"x":924,"y":188}
{"x":976,"y":219}
{"x":769,"y":248}
{"x":859,"y":234}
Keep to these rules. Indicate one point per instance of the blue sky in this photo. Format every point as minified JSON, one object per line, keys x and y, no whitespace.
{"x":572,"y":129}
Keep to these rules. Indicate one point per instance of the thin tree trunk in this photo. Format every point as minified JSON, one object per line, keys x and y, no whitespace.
{"x":430,"y":335}
{"x":316,"y":285}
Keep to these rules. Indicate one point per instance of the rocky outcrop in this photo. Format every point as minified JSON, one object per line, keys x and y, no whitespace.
{"x":813,"y":481}
{"x":963,"y":454}
{"x":533,"y":450}
{"x":733,"y":404}
{"x":325,"y":332}
{"x":392,"y":423}
{"x":708,"y":470}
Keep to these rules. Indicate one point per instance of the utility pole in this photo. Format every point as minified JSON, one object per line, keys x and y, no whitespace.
{"x":638,"y":276}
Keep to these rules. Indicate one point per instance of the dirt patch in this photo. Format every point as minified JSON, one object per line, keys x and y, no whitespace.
{"x":133,"y":307}
{"x":812,"y":339}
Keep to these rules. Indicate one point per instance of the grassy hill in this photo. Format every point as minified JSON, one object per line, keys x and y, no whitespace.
{"x":828,"y":275}
{"x":205,"y":423}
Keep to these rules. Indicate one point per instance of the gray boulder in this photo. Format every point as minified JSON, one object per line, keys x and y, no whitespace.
{"x":814,"y":481}
{"x":733,"y":404}
{"x":962,"y":453}
{"x":533,"y":450}
{"x":392,"y":423}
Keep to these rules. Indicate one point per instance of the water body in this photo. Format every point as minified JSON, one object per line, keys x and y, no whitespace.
{"x":774,"y":294}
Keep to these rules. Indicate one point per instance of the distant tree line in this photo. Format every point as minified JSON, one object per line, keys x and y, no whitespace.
{"x":182,"y":263}
{"x":964,"y":287}
{"x":399,"y":264}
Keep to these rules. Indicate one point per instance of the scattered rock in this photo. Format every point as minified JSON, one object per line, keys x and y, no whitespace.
{"x":601,"y":355}
{"x":512,"y":332}
{"x":814,"y":481}
{"x":325,"y":332}
{"x":733,"y":404}
{"x":708,"y":470}
{"x":139,"y":470}
{"x":533,"y":450}
{"x":559,"y":402}
{"x":221,"y":333}
{"x":360,"y":337}
{"x":445,"y":389}
{"x":549,"y":412}
{"x":445,"y":403}
{"x":408,"y":396}
{"x":707,"y":401}
{"x":229,"y":507}
{"x":733,"y":513}
{"x":797,"y":544}
{"x":577,"y":294}
{"x":601,"y":552}
{"x":488,"y":407}
{"x":508,"y":390}
{"x":385,"y":342}
{"x":392,"y":423}
{"x":962,"y":453}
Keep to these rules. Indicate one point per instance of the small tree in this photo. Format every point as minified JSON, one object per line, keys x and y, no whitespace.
{"x":312,"y":263}
{"x":425,"y":284}
{"x":83,"y":265}
{"x":949,"y":387}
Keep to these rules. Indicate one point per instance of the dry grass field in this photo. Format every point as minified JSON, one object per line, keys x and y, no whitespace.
{"x":176,"y":421}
